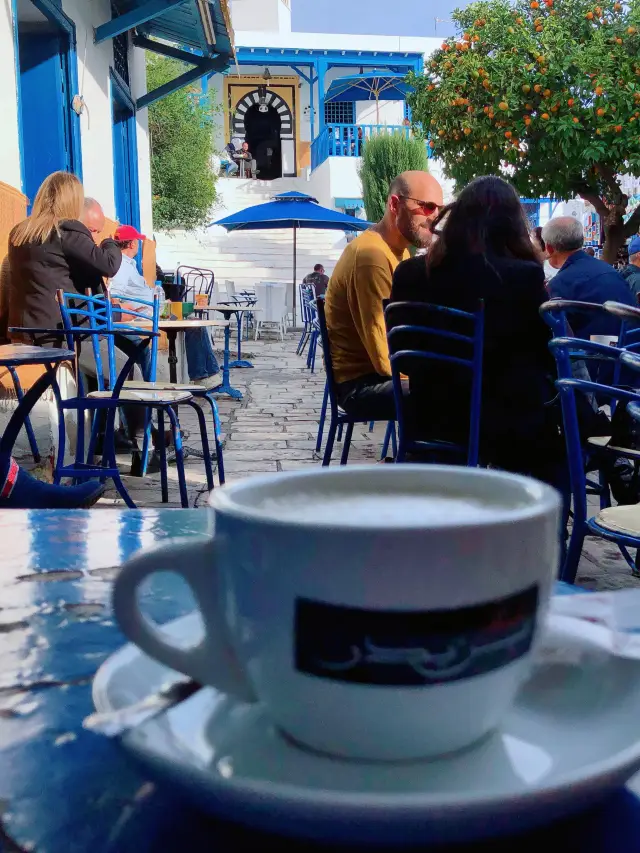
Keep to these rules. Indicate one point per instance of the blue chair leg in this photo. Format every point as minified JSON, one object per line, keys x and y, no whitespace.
{"x":204,"y":438}
{"x":394,"y":442}
{"x":347,"y":444}
{"x":177,"y":443}
{"x":389,"y":436}
{"x":109,"y":456}
{"x":217,"y":431}
{"x":33,"y":445}
{"x":371,"y":425}
{"x":164,"y":485}
{"x":340,"y":426}
{"x":328,"y":450}
{"x":323,"y":415}
{"x":146,"y":442}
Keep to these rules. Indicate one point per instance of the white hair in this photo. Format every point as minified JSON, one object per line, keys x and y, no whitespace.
{"x":564,"y":234}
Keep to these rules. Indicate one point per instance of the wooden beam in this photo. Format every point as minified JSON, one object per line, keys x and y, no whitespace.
{"x":219,"y":63}
{"x":140,"y":15}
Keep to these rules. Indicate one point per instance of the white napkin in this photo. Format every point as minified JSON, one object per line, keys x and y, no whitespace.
{"x":618,"y":612}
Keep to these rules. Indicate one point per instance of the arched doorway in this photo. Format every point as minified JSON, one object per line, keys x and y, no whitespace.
{"x":269,"y":133}
{"x":262,"y":132}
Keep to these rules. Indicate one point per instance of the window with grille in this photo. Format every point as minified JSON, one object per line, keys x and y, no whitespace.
{"x":340,"y":112}
{"x":120,"y":51}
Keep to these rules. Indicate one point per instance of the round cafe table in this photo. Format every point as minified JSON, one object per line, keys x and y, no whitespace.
{"x":177,"y":372}
{"x":13,"y":356}
{"x":227,"y":311}
{"x":66,"y":790}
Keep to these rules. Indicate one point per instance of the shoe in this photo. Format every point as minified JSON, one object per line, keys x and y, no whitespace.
{"x":153,"y":464}
{"x":209,"y":382}
{"x":29,"y":493}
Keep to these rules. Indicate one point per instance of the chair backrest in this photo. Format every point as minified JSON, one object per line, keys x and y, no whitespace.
{"x":555,"y":313}
{"x":567,"y":350}
{"x":271,"y":301}
{"x":140,"y":311}
{"x":231,"y":290}
{"x":197,"y":280}
{"x":307,"y":294}
{"x":97,"y":311}
{"x":421,"y":334}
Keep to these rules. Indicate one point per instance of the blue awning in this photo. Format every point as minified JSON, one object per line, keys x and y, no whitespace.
{"x":201,"y":25}
{"x":349,"y":203}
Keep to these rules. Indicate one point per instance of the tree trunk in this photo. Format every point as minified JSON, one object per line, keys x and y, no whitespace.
{"x":614,"y":235}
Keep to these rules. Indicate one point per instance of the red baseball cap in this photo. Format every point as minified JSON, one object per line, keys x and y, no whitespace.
{"x":128,"y":232}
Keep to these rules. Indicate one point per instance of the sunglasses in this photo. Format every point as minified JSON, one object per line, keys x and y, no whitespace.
{"x":427,"y":207}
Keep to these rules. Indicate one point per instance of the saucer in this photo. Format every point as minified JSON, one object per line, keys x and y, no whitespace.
{"x":570,"y":739}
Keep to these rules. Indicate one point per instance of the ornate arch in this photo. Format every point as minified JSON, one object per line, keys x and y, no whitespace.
{"x":271,"y":100}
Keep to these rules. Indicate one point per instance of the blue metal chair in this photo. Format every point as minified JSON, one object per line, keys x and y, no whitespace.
{"x":338,"y":418}
{"x":96,"y":311}
{"x":314,"y":335}
{"x":199,"y":392}
{"x":196,"y":281}
{"x":306,"y":295}
{"x":428,"y":339}
{"x":565,"y":350}
{"x":33,"y":445}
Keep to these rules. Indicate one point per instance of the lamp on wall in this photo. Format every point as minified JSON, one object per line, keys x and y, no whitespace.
{"x":262,"y":92}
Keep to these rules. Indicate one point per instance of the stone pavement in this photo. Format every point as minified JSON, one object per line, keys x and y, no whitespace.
{"x":273,"y":428}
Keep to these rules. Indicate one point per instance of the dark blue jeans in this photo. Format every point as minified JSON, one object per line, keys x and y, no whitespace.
{"x":201,"y":359}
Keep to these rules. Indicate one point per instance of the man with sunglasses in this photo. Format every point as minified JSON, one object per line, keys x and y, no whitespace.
{"x":361,"y":280}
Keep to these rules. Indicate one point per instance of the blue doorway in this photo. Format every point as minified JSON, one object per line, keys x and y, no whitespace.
{"x":125,"y":155}
{"x":47,"y":77}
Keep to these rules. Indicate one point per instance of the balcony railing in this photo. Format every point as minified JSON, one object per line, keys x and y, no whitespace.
{"x":347,"y":140}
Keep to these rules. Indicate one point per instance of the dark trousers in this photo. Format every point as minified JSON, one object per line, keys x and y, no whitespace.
{"x":369,"y":398}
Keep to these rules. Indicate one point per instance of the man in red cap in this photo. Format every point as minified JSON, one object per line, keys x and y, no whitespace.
{"x":128,"y":283}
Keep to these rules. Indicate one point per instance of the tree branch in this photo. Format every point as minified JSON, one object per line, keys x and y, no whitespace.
{"x":589,"y":194}
{"x":609,"y":177}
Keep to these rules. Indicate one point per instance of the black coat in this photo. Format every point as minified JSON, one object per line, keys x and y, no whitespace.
{"x":518,"y":368}
{"x":69,"y":262}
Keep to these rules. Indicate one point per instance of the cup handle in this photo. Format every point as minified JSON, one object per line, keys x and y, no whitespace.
{"x":213,"y":661}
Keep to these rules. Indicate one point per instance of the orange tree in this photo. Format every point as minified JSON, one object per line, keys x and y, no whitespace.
{"x":544,"y":92}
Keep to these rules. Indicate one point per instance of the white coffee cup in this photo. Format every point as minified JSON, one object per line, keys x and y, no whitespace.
{"x":378,"y":612}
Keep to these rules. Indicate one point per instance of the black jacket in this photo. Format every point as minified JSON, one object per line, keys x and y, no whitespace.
{"x":518,"y":368}
{"x":69,"y":262}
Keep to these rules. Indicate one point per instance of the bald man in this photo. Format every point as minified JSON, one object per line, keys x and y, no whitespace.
{"x":361,"y":280}
{"x":93,"y":217}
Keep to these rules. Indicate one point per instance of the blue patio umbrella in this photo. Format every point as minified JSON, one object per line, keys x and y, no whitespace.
{"x":291,"y":210}
{"x":371,"y":86}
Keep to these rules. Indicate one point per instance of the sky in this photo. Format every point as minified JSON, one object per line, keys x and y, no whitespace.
{"x":375,"y":17}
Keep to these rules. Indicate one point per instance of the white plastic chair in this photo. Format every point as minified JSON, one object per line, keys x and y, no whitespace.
{"x":271,"y":307}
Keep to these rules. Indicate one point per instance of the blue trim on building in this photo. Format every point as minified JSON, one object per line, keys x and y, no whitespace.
{"x":126,"y":198}
{"x":134,"y":18}
{"x":16,"y":57}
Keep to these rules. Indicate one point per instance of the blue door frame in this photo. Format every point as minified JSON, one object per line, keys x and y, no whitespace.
{"x":47,"y":80}
{"x":125,"y":154}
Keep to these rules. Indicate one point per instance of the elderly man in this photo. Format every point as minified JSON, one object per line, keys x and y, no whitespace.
{"x":582,"y":278}
{"x":318,"y":279}
{"x":93,"y":217}
{"x":361,"y":280}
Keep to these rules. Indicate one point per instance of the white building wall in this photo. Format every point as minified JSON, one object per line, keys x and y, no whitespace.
{"x":93,"y":80}
{"x":265,"y":15}
{"x":9,"y":141}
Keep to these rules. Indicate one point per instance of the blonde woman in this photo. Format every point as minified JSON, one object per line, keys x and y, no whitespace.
{"x":53,"y":250}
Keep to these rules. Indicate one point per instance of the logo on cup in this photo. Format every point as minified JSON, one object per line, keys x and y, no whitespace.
{"x":412,"y":648}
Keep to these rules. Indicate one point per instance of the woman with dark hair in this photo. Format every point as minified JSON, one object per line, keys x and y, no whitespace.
{"x":484,"y":251}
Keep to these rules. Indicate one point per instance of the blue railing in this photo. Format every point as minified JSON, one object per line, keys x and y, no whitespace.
{"x":347,"y":140}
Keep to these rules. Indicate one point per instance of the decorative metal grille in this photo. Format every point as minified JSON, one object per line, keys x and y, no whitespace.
{"x":339,"y":112}
{"x":120,"y":50}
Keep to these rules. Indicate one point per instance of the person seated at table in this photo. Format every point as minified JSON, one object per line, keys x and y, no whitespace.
{"x":19,"y":490}
{"x":54,"y":250}
{"x":318,"y":279}
{"x":583,"y":278}
{"x":360,"y":281}
{"x":128,"y":283}
{"x":484,"y":251}
{"x":245,"y":155}
{"x":227,"y":161}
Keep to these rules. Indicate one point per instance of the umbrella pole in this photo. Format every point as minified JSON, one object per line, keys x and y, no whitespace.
{"x":295,"y":253}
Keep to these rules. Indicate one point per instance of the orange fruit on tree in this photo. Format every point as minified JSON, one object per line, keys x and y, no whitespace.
{"x":539,"y":28}
{"x":527,"y":120}
{"x":519,"y":21}
{"x":508,"y":134}
{"x":570,"y":102}
{"x":554,"y":13}
{"x":599,"y":91}
{"x":598,"y":10}
{"x":600,"y":111}
{"x":469,"y":109}
{"x":548,"y":3}
{"x":486,"y":84}
{"x":441,"y":133}
{"x":485,"y":147}
{"x":526,"y":88}
{"x":633,"y":118}
{"x":589,"y":16}
{"x":529,"y":107}
{"x":617,"y":7}
{"x":432,"y":144}
{"x":555,"y":108}
{"x":545,"y":116}
{"x":576,"y":120}
{"x":466,"y":37}
{"x":631,"y":31}
{"x":598,"y":131}
{"x":547,"y":93}
{"x":540,"y":59}
{"x":430,"y":87}
{"x":503,"y":105}
{"x":475,"y":38}
{"x":535,"y":4}
{"x":467,"y":131}
{"x":537,"y":88}
{"x":618,"y":40}
{"x":464,"y":46}
{"x":618,"y":128}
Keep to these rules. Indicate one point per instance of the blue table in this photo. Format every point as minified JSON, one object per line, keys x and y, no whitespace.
{"x":227,"y":311}
{"x":13,"y":356}
{"x":65,"y":790}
